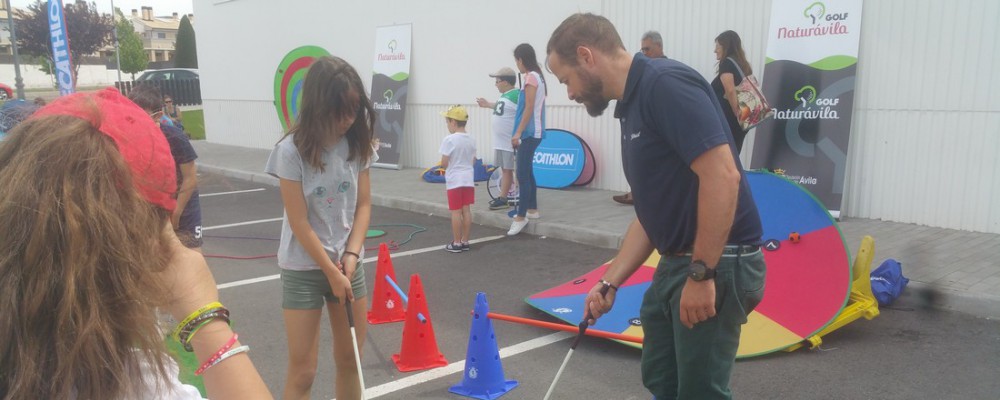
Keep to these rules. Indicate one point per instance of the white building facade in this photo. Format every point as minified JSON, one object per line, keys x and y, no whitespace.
{"x":925,"y":137}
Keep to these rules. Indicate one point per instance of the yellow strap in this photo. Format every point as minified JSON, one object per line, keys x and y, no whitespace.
{"x":192,"y":316}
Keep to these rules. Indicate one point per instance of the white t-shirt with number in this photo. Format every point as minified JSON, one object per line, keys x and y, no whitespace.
{"x":503,"y":120}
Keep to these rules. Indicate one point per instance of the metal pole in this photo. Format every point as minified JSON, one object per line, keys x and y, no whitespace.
{"x":118,"y":52}
{"x":19,"y":83}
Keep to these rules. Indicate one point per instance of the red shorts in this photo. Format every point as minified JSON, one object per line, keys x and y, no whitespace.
{"x":460,"y":197}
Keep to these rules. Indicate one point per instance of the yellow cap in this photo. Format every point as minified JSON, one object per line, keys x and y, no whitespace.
{"x":457,"y":113}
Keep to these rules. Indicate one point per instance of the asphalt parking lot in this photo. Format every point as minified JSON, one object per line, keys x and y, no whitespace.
{"x":907,"y":352}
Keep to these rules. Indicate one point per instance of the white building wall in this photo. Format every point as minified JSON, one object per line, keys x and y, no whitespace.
{"x":926,"y":130}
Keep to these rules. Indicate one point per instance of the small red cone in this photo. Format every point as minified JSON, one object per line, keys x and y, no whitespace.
{"x":387,"y":306}
{"x":419,"y":349}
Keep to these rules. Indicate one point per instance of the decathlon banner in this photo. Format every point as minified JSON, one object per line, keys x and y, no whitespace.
{"x":812,"y":58}
{"x":390,"y":78}
{"x":563,"y":159}
{"x":60,"y":47}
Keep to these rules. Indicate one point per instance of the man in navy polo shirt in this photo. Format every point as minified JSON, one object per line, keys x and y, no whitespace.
{"x":692,"y":204}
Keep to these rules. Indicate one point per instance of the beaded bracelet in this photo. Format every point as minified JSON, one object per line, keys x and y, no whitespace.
{"x":188,"y":333}
{"x":208,"y":315}
{"x":184,"y":330}
{"x":195,"y":314}
{"x":230,"y":353}
{"x":222,"y":350}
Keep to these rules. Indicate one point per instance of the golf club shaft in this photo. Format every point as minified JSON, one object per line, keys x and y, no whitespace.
{"x":572,"y":347}
{"x":354,"y":341}
{"x":558,"y":374}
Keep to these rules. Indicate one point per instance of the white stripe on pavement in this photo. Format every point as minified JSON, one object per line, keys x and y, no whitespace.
{"x":458,"y":366}
{"x":367,"y":260}
{"x":233,"y":192}
{"x":260,"y":221}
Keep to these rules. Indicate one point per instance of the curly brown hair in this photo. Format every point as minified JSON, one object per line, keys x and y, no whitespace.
{"x":79,"y":254}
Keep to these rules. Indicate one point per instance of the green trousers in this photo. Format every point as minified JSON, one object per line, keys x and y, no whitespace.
{"x":682,"y":363}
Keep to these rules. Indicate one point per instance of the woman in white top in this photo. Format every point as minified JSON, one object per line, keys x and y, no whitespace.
{"x":529,"y":127}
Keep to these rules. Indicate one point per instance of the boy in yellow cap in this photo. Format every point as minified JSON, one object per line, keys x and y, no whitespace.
{"x":458,"y":154}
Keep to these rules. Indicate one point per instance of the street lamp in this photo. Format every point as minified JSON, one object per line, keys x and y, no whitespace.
{"x":19,"y":83}
{"x":118,"y":55}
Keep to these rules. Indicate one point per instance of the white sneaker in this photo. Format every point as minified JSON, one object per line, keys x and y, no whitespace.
{"x":533,"y":215}
{"x":517,"y":226}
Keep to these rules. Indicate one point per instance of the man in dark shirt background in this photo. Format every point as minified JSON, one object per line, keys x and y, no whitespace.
{"x":652,"y":47}
{"x":186,"y":218}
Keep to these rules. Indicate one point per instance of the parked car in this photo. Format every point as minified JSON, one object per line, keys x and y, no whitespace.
{"x":6,"y":92}
{"x":168,"y":74}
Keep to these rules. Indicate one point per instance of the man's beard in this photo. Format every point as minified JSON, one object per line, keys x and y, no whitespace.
{"x":592,"y":96}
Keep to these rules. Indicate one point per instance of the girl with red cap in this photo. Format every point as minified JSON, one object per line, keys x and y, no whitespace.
{"x":87,"y":255}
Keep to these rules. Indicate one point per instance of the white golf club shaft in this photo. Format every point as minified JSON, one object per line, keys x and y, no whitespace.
{"x":354,"y":342}
{"x":357,"y":362}
{"x":558,"y":374}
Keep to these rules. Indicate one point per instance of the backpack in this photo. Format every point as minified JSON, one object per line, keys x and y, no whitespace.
{"x":888,"y":281}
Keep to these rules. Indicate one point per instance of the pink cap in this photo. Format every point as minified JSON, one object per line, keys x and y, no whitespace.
{"x":139,"y":140}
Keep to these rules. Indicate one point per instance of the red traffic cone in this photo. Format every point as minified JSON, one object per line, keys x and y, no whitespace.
{"x":419,"y":349}
{"x":386,"y":304}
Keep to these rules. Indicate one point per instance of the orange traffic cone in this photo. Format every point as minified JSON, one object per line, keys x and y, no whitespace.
{"x":419,"y":349}
{"x":386,"y":304}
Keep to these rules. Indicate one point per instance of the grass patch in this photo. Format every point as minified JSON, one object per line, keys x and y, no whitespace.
{"x":194,"y":123}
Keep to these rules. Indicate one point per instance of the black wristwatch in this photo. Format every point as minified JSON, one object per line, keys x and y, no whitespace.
{"x":698,"y":271}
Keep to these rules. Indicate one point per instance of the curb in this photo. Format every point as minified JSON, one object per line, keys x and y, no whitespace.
{"x":257,"y":177}
{"x":975,"y":304}
{"x":487,"y":217}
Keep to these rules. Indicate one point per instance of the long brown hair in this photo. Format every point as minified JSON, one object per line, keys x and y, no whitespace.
{"x":732,"y":46}
{"x":328,"y":96}
{"x":526,"y":54}
{"x":79,"y":252}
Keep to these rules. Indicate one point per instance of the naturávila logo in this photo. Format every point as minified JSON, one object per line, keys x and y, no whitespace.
{"x":816,"y":12}
{"x":813,"y":106}
{"x":393,"y":55}
{"x":389,"y":104}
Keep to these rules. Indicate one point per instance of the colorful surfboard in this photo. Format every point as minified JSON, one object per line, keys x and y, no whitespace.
{"x":808,"y":279}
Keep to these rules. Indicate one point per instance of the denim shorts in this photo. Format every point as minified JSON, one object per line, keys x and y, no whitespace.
{"x":306,"y":290}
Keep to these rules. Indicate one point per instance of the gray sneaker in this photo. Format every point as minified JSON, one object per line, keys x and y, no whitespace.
{"x":466,"y":247}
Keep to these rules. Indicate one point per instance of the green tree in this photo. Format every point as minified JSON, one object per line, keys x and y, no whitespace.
{"x":133,"y":55}
{"x":186,"y":54}
{"x":87,"y":31}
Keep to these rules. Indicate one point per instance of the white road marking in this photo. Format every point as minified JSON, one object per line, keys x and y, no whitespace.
{"x":260,"y":221}
{"x":366,"y":260}
{"x":458,"y":366}
{"x":233,"y":192}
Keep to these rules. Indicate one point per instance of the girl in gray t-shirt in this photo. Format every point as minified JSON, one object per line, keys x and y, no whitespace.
{"x":322,"y":165}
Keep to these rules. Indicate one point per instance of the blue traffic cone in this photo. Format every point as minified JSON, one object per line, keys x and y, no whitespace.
{"x":483,"y":378}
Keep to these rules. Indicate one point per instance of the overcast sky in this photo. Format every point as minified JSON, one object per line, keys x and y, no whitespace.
{"x":160,"y":7}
